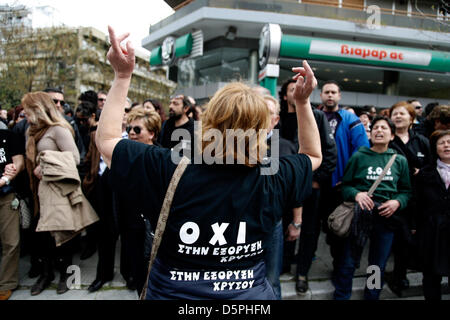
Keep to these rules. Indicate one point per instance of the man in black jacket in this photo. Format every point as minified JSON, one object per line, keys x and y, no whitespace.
{"x":322,"y":176}
{"x":180,"y":122}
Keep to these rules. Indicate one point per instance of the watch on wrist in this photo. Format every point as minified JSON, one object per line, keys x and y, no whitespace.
{"x":6,"y":180}
{"x":296,"y":225}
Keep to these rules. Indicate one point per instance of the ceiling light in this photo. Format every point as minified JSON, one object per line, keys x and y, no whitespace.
{"x":358,"y":81}
{"x":327,"y":70}
{"x":420,"y":79}
{"x":431,"y":80}
{"x":380,"y":82}
{"x":341,"y":71}
{"x":345,"y":79}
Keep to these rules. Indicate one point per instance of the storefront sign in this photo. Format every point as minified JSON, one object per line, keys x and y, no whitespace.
{"x":300,"y":47}
{"x":373,"y":53}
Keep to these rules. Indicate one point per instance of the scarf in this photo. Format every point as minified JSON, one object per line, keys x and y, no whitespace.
{"x":444,"y":172}
{"x":34,"y":135}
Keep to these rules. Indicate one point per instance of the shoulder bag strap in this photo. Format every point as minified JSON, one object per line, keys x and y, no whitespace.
{"x":163,"y":216}
{"x":385,"y":170}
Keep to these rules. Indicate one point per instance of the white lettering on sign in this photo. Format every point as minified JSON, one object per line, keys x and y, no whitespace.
{"x":373,"y":53}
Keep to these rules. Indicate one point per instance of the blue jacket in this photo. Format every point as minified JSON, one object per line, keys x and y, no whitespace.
{"x":350,"y":136}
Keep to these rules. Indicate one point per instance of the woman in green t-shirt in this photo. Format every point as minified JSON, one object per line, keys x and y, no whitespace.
{"x":392,"y":194}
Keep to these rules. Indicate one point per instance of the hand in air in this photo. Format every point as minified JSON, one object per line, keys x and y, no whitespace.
{"x":122,"y":59}
{"x":306,"y":82}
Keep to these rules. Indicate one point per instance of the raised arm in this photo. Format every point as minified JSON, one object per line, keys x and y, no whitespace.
{"x":109,"y":130}
{"x":308,"y":134}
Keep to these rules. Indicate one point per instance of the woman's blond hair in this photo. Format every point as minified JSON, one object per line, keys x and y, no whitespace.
{"x":42,"y":112}
{"x":234,"y":111}
{"x":151,"y":119}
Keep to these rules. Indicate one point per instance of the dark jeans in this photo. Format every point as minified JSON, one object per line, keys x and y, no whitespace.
{"x":309,"y":234}
{"x":380,"y":247}
{"x":400,"y":251}
{"x":432,"y":286}
{"x":274,"y":258}
{"x":330,"y":198}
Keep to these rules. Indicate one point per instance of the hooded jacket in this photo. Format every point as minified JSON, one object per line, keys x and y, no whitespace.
{"x":363,"y":169}
{"x":350,"y":135}
{"x":64,"y":210}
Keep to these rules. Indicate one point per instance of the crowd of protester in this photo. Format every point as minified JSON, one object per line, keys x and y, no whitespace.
{"x":50,"y":162}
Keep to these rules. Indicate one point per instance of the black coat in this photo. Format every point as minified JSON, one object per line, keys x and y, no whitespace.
{"x":288,"y":130}
{"x":433,"y":221}
{"x":417,"y":152}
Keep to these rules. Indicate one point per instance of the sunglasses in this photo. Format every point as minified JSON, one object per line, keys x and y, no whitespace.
{"x":21,"y":115}
{"x":418,"y":107}
{"x":101,"y":99}
{"x":60,"y":101}
{"x":136,"y":129}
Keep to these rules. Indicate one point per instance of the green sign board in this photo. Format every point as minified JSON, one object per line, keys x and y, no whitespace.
{"x":170,"y":50}
{"x":364,"y":53}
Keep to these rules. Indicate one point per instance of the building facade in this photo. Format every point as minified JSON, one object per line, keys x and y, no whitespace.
{"x":379,"y":51}
{"x":73,"y":59}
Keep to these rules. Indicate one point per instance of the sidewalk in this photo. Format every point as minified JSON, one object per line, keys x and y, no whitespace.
{"x":114,"y":290}
{"x":321,"y":287}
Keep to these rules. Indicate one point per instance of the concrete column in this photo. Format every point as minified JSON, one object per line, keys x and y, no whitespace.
{"x":253,"y":67}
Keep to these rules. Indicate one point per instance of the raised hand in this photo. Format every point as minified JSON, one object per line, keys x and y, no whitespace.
{"x":122,"y":59}
{"x":306,"y":82}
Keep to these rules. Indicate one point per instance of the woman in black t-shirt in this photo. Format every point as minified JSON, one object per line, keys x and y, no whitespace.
{"x":227,"y":200}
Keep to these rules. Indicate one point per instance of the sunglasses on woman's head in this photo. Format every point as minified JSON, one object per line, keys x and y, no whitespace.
{"x":136,"y":129}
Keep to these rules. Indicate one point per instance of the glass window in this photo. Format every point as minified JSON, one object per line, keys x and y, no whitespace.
{"x":219,"y":65}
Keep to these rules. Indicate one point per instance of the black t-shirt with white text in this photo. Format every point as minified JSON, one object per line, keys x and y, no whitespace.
{"x":220,"y":213}
{"x":9,"y":146}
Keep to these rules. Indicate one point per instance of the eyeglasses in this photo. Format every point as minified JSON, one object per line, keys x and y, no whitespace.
{"x":60,"y":101}
{"x":136,"y":129}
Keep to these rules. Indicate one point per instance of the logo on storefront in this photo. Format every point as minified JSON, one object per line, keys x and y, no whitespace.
{"x":168,"y":50}
{"x":269,"y":44}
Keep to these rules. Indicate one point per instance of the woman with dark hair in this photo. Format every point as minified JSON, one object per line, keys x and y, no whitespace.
{"x":17,"y":115}
{"x":221,"y":213}
{"x":153,"y":104}
{"x":375,"y":212}
{"x":433,"y":215}
{"x":416,"y":149}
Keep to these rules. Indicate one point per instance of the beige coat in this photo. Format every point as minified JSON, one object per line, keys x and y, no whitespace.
{"x":64,"y":210}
